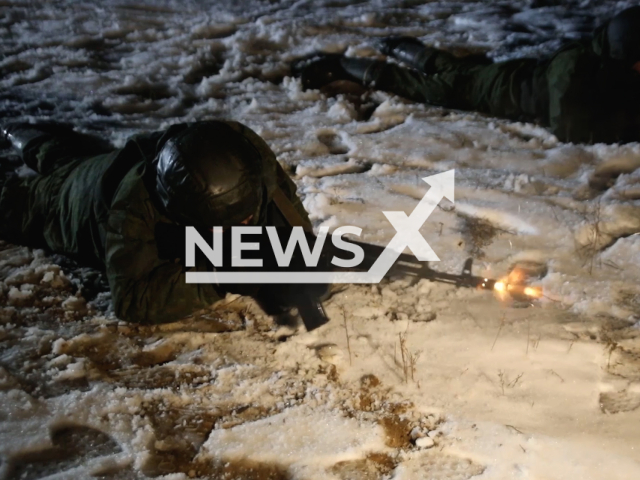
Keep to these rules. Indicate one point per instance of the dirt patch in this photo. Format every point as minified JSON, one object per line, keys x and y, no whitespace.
{"x":369,"y":381}
{"x":240,"y":470}
{"x":623,"y":361}
{"x":375,"y":466}
{"x":372,"y":397}
{"x":365,"y":401}
{"x":162,"y":376}
{"x":628,"y":299}
{"x":203,"y":68}
{"x":330,"y":371}
{"x":183,"y":461}
{"x":146,"y":91}
{"x":243,"y":414}
{"x":397,"y":431}
{"x":180,"y":432}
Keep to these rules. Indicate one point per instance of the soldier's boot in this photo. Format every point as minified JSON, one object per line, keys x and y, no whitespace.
{"x":408,"y":50}
{"x":27,"y":138}
{"x":319,"y":70}
{"x":22,"y":136}
{"x":363,"y":70}
{"x":19,"y":134}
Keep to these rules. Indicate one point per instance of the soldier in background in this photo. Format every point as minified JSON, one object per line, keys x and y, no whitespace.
{"x":586,"y":92}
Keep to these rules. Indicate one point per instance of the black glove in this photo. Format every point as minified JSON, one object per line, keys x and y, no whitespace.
{"x":319,"y":69}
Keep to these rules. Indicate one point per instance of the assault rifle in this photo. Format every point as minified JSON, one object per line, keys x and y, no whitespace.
{"x":310,"y":308}
{"x":312,"y":313}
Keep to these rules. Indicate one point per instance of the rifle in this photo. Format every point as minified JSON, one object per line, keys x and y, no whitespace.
{"x":312,"y":313}
{"x":310,"y":308}
{"x":408,"y":265}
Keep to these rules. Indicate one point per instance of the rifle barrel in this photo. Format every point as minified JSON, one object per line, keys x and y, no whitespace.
{"x":410,"y":265}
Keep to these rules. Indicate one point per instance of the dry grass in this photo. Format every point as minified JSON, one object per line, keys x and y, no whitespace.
{"x":409,"y":358}
{"x":346,"y":332}
{"x":610,"y":346}
{"x":478,"y":233}
{"x":629,"y":299}
{"x":588,"y":252}
{"x":505,"y":382}
{"x":499,"y":330}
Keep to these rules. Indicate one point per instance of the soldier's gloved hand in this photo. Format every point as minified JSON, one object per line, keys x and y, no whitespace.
{"x":320,"y":69}
{"x":387,"y":45}
{"x":290,"y":305}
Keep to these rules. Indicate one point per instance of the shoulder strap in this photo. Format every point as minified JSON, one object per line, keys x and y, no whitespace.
{"x":288,"y":211}
{"x":285,"y":206}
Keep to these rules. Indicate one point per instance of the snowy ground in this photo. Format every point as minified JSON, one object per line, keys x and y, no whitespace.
{"x":408,"y":381}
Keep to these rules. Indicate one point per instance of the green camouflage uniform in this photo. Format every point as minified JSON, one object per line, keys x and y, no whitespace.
{"x":579,"y":93}
{"x":100,"y":210}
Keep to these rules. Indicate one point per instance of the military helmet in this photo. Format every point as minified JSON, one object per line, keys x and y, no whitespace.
{"x":623,"y":34}
{"x":209,"y":175}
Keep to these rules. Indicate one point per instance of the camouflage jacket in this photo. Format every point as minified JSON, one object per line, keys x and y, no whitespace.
{"x":101,"y":211}
{"x":579,"y":92}
{"x":592,"y":98}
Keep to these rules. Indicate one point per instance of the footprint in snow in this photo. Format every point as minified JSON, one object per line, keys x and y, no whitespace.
{"x":333,"y":142}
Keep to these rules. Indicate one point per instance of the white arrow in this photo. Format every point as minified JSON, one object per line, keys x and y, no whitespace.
{"x":407,"y":227}
{"x":407,"y":235}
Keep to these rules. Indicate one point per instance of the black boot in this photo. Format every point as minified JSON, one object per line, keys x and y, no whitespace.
{"x":321,"y":69}
{"x":363,"y":70}
{"x":19,"y":134}
{"x":27,"y":138}
{"x":409,"y":50}
{"x":318,"y":70}
{"x":22,"y":136}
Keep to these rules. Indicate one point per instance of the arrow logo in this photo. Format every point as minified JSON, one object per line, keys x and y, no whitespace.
{"x":407,"y":228}
{"x":407,"y":235}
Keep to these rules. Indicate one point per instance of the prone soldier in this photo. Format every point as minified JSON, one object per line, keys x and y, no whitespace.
{"x":586,"y":92}
{"x":124,"y":210}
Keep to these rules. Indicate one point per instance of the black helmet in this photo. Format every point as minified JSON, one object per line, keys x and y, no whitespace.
{"x":209,"y":175}
{"x":623,"y":34}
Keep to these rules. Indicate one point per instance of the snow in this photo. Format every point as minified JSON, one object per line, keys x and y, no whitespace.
{"x":408,"y":380}
{"x":425,"y":442}
{"x":304,"y":439}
